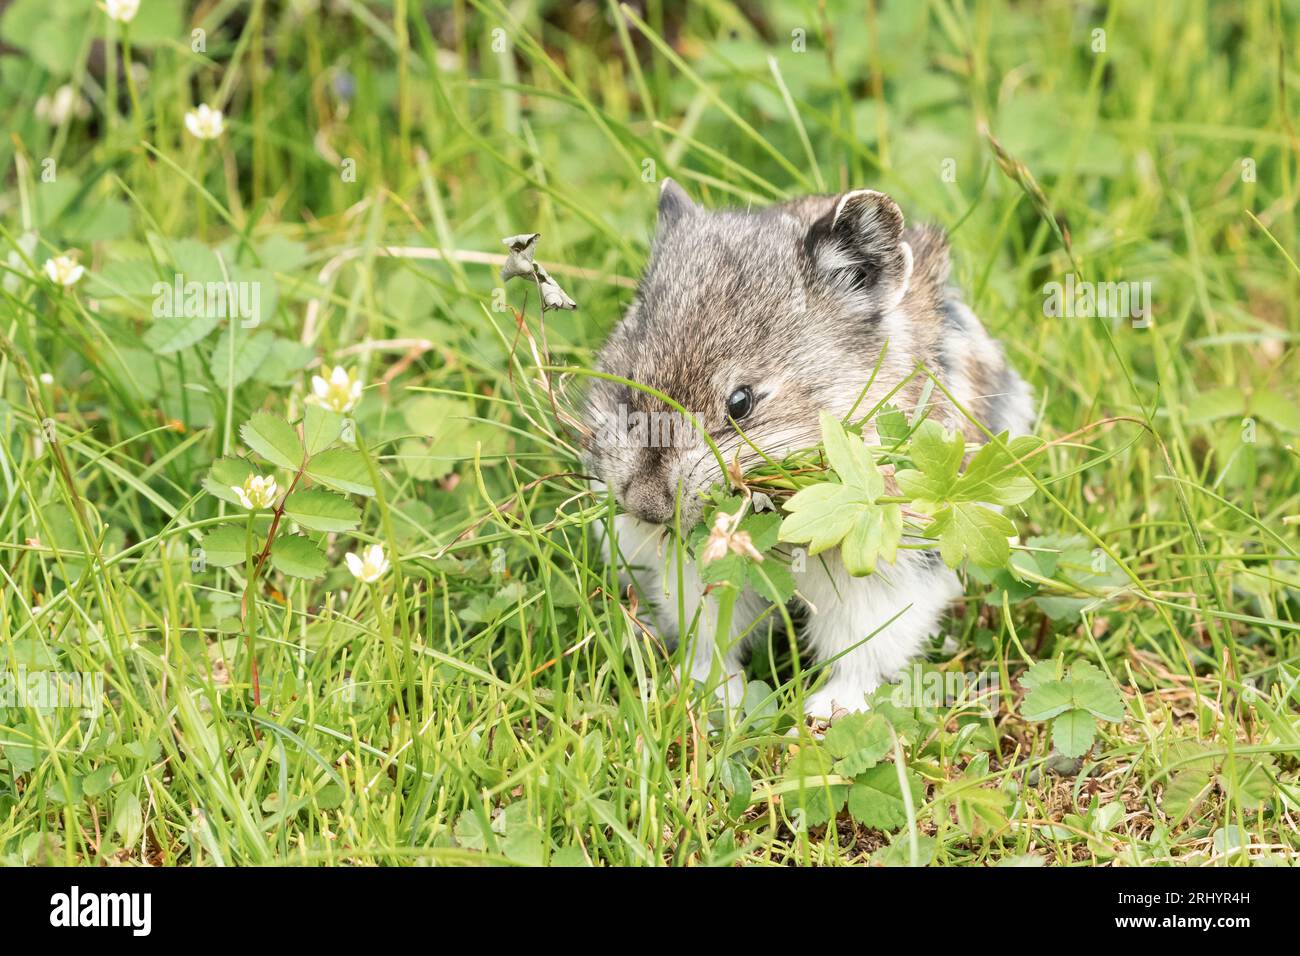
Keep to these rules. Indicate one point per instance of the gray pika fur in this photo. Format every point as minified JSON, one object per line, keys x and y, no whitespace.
{"x":771,"y":316}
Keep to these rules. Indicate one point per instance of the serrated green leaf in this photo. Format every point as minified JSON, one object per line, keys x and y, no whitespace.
{"x":172,"y":333}
{"x":1253,"y":785}
{"x":1073,"y":732}
{"x":1100,"y":698}
{"x":296,"y":556}
{"x":937,"y":452}
{"x":899,"y":851}
{"x":342,"y":469}
{"x":971,"y":531}
{"x":850,"y":459}
{"x":874,"y":534}
{"x":992,"y":475}
{"x":320,"y":428}
{"x":274,"y":439}
{"x":1040,"y":673}
{"x":1047,"y":700}
{"x":250,"y":350}
{"x":891,"y":425}
{"x":225,"y":546}
{"x":320,"y":510}
{"x":818,"y":800}
{"x":876,"y":801}
{"x":1184,"y":792}
{"x":821,"y":515}
{"x":858,"y":741}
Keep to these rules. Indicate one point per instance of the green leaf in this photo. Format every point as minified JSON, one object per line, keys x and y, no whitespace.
{"x":225,"y":546}
{"x":1100,"y":699}
{"x":736,"y":781}
{"x":992,"y":475}
{"x":284,"y":362}
{"x":225,"y":474}
{"x":858,"y":741}
{"x":875,"y":534}
{"x":320,"y":428}
{"x":172,"y":333}
{"x":274,"y":439}
{"x":876,"y":801}
{"x":1046,"y":700}
{"x":1040,"y":673}
{"x":1253,"y":786}
{"x":899,"y":851}
{"x":1073,"y":732}
{"x":821,"y":514}
{"x":972,"y":531}
{"x":296,"y":556}
{"x":891,"y":426}
{"x":850,"y":459}
{"x":320,"y":510}
{"x":938,"y":454}
{"x":1184,"y":792}
{"x":818,"y":800}
{"x":342,"y":469}
{"x":250,"y":350}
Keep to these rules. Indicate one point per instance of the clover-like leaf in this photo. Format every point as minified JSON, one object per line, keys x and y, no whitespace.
{"x":297,"y":556}
{"x":321,"y":510}
{"x":274,"y":439}
{"x":342,"y":469}
{"x":858,"y":741}
{"x":876,"y":800}
{"x":1073,"y":732}
{"x":320,"y":428}
{"x":225,"y":546}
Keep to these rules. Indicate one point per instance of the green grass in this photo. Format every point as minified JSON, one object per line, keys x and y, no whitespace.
{"x":494,"y":698}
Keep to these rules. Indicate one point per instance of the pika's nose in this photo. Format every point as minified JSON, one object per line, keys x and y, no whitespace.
{"x":649,"y":500}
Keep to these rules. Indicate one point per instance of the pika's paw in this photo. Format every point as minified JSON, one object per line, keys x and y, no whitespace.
{"x":836,"y":698}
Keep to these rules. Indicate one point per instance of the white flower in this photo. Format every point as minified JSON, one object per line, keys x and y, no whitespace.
{"x":205,"y":122}
{"x":258,"y":491}
{"x":64,"y":270}
{"x":62,"y":106}
{"x":369,"y":566}
{"x":123,"y":11}
{"x":339,"y":390}
{"x":725,"y":537}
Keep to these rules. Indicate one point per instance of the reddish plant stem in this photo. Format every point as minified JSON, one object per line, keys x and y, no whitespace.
{"x":276,"y":516}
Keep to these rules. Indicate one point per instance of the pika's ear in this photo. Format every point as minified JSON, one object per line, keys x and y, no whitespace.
{"x":860,"y":243}
{"x":674,"y":205}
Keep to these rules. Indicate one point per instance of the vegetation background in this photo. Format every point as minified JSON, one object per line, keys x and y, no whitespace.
{"x":493,"y":698}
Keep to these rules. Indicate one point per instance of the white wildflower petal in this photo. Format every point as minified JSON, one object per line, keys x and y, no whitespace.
{"x":64,"y":270}
{"x":123,"y":11}
{"x":354,"y":564}
{"x":204,"y":122}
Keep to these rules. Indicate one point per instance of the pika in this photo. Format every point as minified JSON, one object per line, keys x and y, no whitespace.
{"x":765,"y":318}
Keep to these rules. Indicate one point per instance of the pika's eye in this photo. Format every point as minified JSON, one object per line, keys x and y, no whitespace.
{"x":740,"y":403}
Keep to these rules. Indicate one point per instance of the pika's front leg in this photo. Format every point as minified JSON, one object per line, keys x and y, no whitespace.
{"x":871,"y":627}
